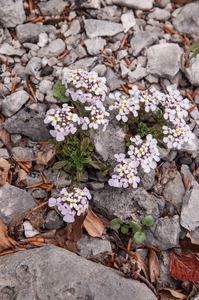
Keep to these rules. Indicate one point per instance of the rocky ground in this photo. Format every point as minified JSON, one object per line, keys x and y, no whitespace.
{"x":129,"y":42}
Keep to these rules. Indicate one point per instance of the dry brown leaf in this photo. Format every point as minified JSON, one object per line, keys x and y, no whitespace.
{"x":21,"y":175}
{"x":4,"y":134}
{"x":168,"y":293}
{"x":153,"y":265}
{"x":46,"y":153}
{"x":189,"y":244}
{"x":187,"y":181}
{"x":4,"y":168}
{"x":142,"y":263}
{"x":4,"y":239}
{"x":92,"y":224}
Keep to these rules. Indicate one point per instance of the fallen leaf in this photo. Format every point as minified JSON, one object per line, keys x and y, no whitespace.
{"x":187,"y":181}
{"x":46,"y":153}
{"x":4,"y":134}
{"x":21,"y":175}
{"x":92,"y":224}
{"x":189,"y":244}
{"x":153,"y":265}
{"x":181,"y":1}
{"x":172,"y":293}
{"x":184,"y":267}
{"x":4,"y":168}
{"x":4,"y":239}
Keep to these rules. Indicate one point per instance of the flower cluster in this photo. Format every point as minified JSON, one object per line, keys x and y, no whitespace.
{"x":84,"y":86}
{"x":141,"y":153}
{"x":126,"y":169}
{"x":175,"y":110}
{"x":63,"y":121}
{"x":71,"y":203}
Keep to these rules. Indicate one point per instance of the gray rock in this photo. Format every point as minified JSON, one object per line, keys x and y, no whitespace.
{"x":58,"y":177}
{"x":143,"y":5}
{"x":94,"y":45}
{"x":96,"y":28}
{"x":142,"y":40}
{"x":195,"y":114}
{"x":159,"y":14}
{"x":87,"y":63}
{"x":53,"y":49}
{"x":195,"y":234}
{"x":12,"y":103}
{"x":75,"y":4}
{"x":32,"y":178}
{"x":52,"y":7}
{"x":4,"y":153}
{"x":50,"y":98}
{"x":147,"y":179}
{"x":155,"y":30}
{"x":164,"y":264}
{"x":29,"y":32}
{"x":170,"y":156}
{"x":124,"y":70}
{"x":128,"y":20}
{"x":74,"y":29}
{"x":80,"y":51}
{"x":100,"y":69}
{"x":53,"y":272}
{"x":70,"y":58}
{"x":54,"y":220}
{"x":164,"y":60}
{"x":12,"y":13}
{"x":106,"y":13}
{"x":138,"y":74}
{"x":31,"y":46}
{"x":186,"y":170}
{"x":121,"y":54}
{"x":112,"y":80}
{"x":13,"y":201}
{"x":97,"y":245}
{"x":174,"y":190}
{"x":193,"y":148}
{"x":106,"y":145}
{"x":15,"y":138}
{"x":95,"y":186}
{"x":45,"y":85}
{"x":164,"y":233}
{"x":186,"y":20}
{"x":189,"y":217}
{"x":23,"y":152}
{"x":192,"y":72}
{"x":29,"y":121}
{"x":128,"y":204}
{"x":7,"y":49}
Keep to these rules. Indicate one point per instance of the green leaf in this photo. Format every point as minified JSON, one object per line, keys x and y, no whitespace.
{"x":96,"y":164}
{"x":139,"y":237}
{"x":194,"y":46}
{"x":64,"y":99}
{"x":195,"y":54}
{"x":116,"y":223}
{"x":135,"y":226}
{"x":62,"y":89}
{"x":124,"y":229}
{"x":57,"y":85}
{"x":84,"y":144}
{"x":57,"y":94}
{"x":148,"y":220}
{"x":79,"y":175}
{"x":59,"y":164}
{"x":90,"y":147}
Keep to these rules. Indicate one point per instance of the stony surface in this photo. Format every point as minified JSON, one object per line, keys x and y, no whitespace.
{"x":33,"y":117}
{"x":164,"y":60}
{"x":136,"y":4}
{"x":10,"y":197}
{"x":189,"y":217}
{"x":96,"y":28}
{"x":11,"y":104}
{"x":192,"y":72}
{"x":12,"y":13}
{"x":142,"y":40}
{"x":186,"y":19}
{"x":52,"y":7}
{"x":69,"y":276}
{"x":54,"y":49}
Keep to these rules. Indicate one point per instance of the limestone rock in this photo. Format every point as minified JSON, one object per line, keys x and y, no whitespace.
{"x":186,"y":20}
{"x":94,"y":45}
{"x":12,"y":103}
{"x":192,"y":72}
{"x":52,"y":7}
{"x":142,"y":40}
{"x":164,"y":60}
{"x":53,"y":272}
{"x":13,"y":201}
{"x":96,"y":28}
{"x":12,"y":13}
{"x":53,"y":49}
{"x":136,"y":4}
